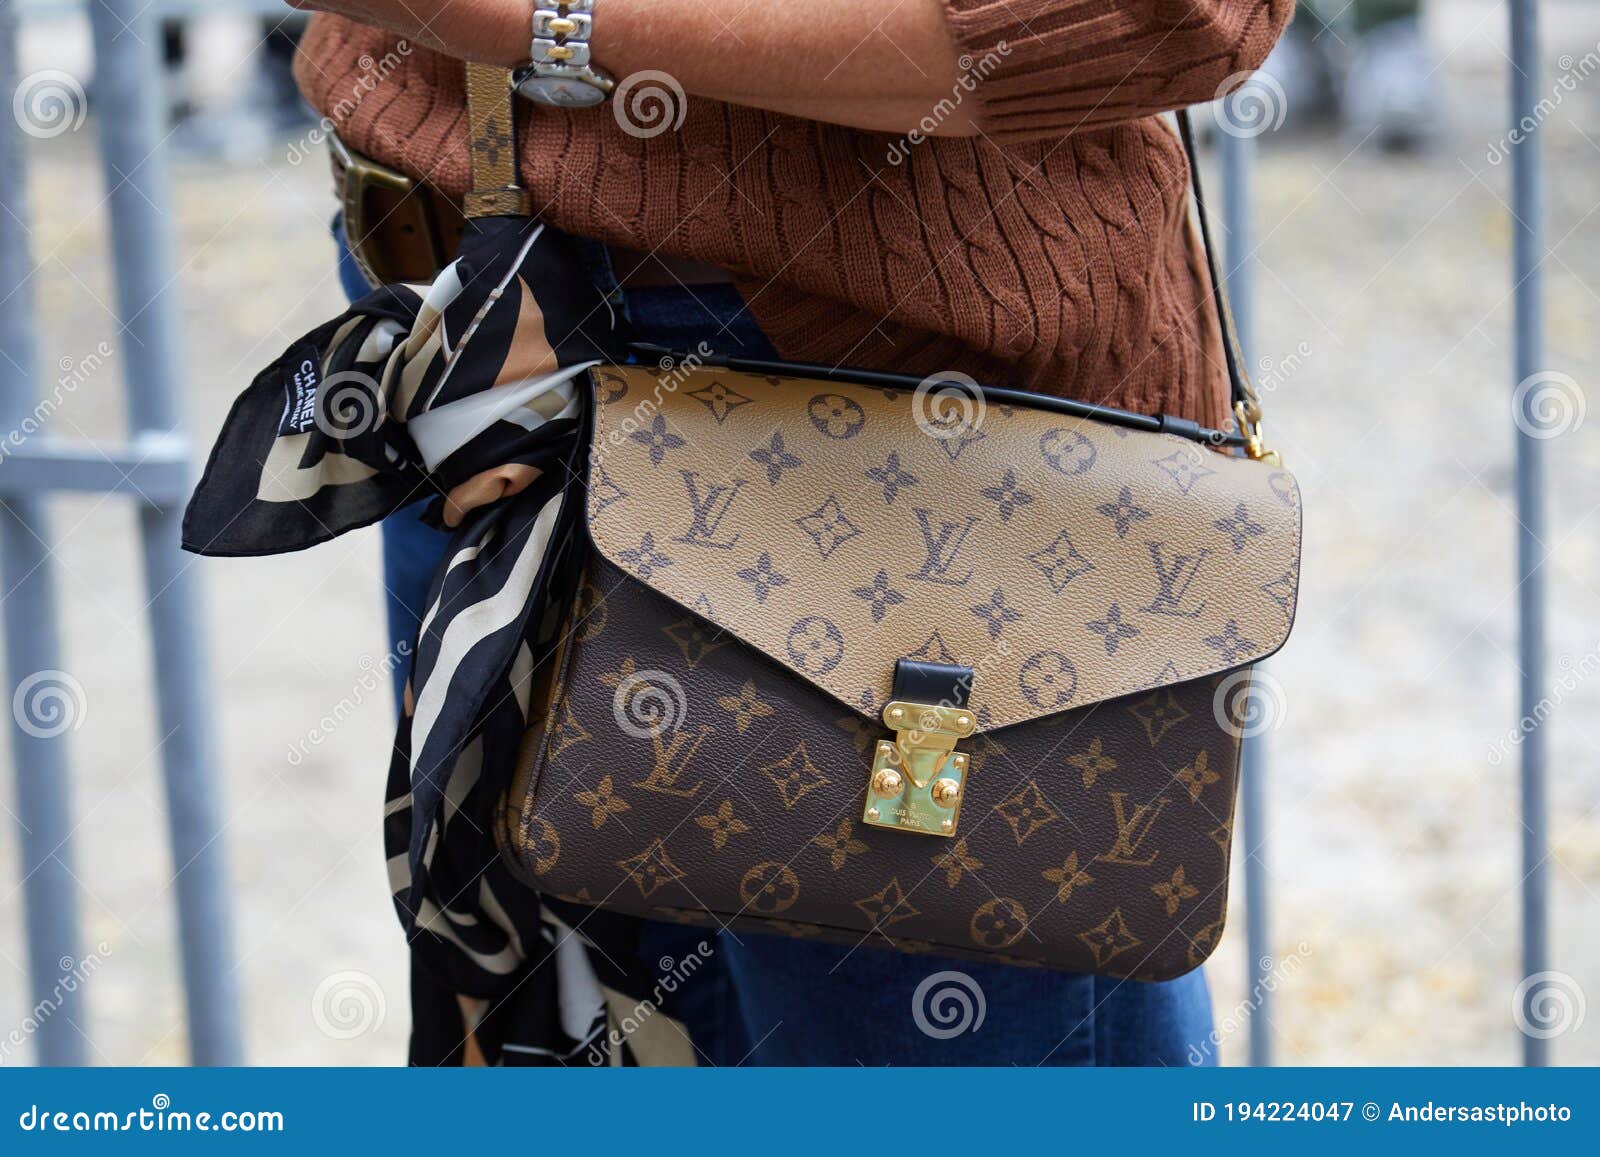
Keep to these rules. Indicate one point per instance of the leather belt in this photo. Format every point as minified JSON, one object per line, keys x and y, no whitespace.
{"x":401,"y":229}
{"x":398,"y":229}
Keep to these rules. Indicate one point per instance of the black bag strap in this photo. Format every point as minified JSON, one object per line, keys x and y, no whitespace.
{"x":1246,"y":402}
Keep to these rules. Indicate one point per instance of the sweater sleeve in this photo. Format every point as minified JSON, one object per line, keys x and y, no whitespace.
{"x":1048,"y":68}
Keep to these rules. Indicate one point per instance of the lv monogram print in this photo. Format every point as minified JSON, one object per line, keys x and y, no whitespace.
{"x":1095,"y":840}
{"x":774,"y":546}
{"x":1066,"y":561}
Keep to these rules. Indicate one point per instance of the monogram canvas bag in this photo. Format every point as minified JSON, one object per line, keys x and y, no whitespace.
{"x":941,"y":668}
{"x":817,"y":651}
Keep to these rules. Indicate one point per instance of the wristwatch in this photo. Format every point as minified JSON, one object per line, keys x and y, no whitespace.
{"x":558,"y":71}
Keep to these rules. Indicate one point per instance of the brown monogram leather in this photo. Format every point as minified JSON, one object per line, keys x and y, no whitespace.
{"x":766,"y":549}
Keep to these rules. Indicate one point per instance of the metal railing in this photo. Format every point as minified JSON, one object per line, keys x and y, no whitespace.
{"x":1237,"y":156}
{"x":153,"y":468}
{"x":1527,"y":211}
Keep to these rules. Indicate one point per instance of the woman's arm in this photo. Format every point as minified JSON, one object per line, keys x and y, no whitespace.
{"x":1014,"y":69}
{"x":838,"y":60}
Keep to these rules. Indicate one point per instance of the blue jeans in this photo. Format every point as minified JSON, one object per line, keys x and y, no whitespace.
{"x":776,"y":1001}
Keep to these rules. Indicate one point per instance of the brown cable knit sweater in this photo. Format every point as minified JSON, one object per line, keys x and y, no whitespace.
{"x":1050,"y":252}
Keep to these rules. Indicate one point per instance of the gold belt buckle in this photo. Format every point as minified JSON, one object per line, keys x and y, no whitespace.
{"x":918,"y":779}
{"x":357,"y":178}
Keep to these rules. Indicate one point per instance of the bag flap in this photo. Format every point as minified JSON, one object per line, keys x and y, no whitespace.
{"x":1064,"y":560}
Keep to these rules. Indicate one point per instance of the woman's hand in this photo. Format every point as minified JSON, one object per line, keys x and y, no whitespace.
{"x":832,"y":60}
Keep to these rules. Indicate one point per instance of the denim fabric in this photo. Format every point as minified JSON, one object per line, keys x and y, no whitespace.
{"x":769,"y":1000}
{"x":683,"y":318}
{"x":777,"y":1001}
{"x":351,"y":279}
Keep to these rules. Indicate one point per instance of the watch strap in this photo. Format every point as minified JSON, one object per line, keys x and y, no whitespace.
{"x":561,"y":35}
{"x":492,"y":143}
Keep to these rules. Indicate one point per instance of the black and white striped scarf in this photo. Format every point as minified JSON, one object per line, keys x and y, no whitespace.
{"x":470,"y":390}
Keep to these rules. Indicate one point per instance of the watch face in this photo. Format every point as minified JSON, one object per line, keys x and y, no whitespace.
{"x":560,"y":90}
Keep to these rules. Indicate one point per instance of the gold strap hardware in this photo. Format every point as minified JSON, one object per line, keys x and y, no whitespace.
{"x":1248,"y":415}
{"x":492,"y":139}
{"x":918,"y":780}
{"x":1246,"y":402}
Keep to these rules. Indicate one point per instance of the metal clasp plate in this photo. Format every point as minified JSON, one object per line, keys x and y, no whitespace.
{"x":918,"y":779}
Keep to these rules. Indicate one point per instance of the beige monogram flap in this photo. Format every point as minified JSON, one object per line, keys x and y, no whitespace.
{"x":838,"y":527}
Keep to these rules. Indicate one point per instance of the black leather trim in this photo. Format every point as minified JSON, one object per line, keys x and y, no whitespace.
{"x":1182,"y":427}
{"x":939,"y":684}
{"x":667,"y":358}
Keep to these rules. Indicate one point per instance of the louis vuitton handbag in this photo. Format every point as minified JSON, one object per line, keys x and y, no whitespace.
{"x":818,"y":651}
{"x":945,"y":669}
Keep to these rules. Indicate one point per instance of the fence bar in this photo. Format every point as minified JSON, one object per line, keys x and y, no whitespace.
{"x":50,"y":896}
{"x":1237,"y":155}
{"x":1527,"y":206}
{"x":142,"y":243}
